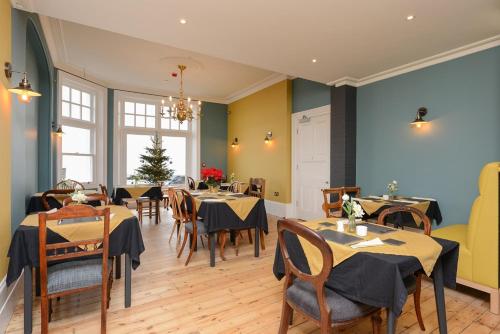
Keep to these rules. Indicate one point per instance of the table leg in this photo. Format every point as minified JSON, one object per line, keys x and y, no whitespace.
{"x":391,"y":322}
{"x":212,"y":237}
{"x":128,"y":280}
{"x":157,"y":204}
{"x":28,"y":300}
{"x":118,"y":267}
{"x":38,"y":292}
{"x":257,"y":241}
{"x":439,"y":294}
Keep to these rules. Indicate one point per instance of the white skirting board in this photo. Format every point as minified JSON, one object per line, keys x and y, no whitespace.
{"x":278,"y":209}
{"x":8,"y":300}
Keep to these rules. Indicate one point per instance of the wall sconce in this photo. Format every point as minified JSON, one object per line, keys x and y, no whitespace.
{"x":419,"y":119}
{"x":235,"y":142}
{"x":23,"y":90}
{"x":57,"y":130}
{"x":269,"y":137}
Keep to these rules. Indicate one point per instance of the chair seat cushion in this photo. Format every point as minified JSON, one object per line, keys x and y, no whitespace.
{"x":200,"y":226}
{"x":75,"y":275}
{"x":410,"y":283}
{"x":303,"y":295}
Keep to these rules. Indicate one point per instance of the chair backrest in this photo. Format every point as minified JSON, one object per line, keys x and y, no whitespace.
{"x":105,"y":192}
{"x":332,"y":200}
{"x":482,"y":230}
{"x":291,"y":271}
{"x":190,"y":215}
{"x":351,"y":191}
{"x":425,"y":220}
{"x":175,"y":203}
{"x":69,"y":184}
{"x":90,"y":198}
{"x":234,"y":187}
{"x":191,"y":183}
{"x":72,"y":249}
{"x":56,"y":192}
{"x":257,"y":187}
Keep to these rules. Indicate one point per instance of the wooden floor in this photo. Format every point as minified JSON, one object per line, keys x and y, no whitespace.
{"x":240,"y":295}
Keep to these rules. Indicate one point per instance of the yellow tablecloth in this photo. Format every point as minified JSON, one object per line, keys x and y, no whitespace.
{"x":60,"y":197}
{"x":424,"y":248}
{"x":85,"y":230}
{"x":371,"y":206}
{"x":240,"y":205}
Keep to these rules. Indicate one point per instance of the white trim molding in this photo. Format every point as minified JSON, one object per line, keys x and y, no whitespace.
{"x":8,"y":300}
{"x":269,"y":81}
{"x":422,"y":63}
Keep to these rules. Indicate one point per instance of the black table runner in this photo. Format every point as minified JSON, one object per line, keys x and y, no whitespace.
{"x":370,"y":278}
{"x":120,"y":193}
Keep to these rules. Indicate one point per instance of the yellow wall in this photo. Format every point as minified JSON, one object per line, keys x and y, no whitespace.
{"x":5,"y":126}
{"x":250,"y":118}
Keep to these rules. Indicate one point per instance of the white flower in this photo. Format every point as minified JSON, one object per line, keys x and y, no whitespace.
{"x":345,"y":197}
{"x":357,"y":210}
{"x":79,"y":197}
{"x":78,"y":187}
{"x":394,"y":181}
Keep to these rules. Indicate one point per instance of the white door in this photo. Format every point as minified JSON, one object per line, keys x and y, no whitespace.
{"x":311,"y":161}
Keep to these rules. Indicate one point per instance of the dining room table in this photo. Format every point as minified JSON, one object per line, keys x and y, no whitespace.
{"x":55,"y":201}
{"x":230,"y":211}
{"x":376,"y":275}
{"x":125,"y":238}
{"x":374,"y":205}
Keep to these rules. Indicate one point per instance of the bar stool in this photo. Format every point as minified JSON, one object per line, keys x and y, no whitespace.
{"x":145,"y":206}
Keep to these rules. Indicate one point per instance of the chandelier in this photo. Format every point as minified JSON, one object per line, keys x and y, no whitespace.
{"x":180,"y":108}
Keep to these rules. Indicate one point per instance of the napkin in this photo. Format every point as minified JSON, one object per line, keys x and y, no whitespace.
{"x":425,"y":198}
{"x":368,"y":243}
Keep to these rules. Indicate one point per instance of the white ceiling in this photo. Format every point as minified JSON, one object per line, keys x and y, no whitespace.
{"x":349,"y":38}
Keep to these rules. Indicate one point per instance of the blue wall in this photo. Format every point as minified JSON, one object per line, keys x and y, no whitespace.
{"x":31,"y":132}
{"x":213,"y":141}
{"x":442,"y":161}
{"x":308,"y":94}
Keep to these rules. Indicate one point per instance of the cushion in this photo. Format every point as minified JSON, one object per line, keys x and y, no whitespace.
{"x":74,"y":275}
{"x":303,"y":295}
{"x":201,"y":229}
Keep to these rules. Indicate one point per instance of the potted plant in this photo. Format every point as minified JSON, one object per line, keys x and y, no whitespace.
{"x":212,"y":178}
{"x":353,"y":210}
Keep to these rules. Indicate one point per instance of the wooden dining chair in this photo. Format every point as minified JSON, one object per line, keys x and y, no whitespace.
{"x":191,"y":183}
{"x":332,"y":202}
{"x":69,"y":184}
{"x":54,"y":192}
{"x":90,"y":198}
{"x":234,"y":187}
{"x":177,"y":215}
{"x":351,"y":191}
{"x":413,"y":283}
{"x":193,"y":227}
{"x":81,"y":273}
{"x":307,"y":294}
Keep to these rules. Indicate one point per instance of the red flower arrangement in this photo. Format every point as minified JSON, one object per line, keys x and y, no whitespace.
{"x":211,"y":176}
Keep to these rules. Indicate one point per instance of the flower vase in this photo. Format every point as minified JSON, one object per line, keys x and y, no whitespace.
{"x":213,"y":189}
{"x":352,"y":224}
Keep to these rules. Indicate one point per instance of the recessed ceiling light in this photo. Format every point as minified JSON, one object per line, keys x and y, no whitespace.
{"x":183,"y":21}
{"x":314,"y":60}
{"x":410,"y":17}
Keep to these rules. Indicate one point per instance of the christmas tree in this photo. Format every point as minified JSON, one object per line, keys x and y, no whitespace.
{"x":154,"y":164}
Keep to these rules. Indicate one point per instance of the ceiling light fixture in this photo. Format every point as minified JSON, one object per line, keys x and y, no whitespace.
{"x":410,"y":17}
{"x":182,"y":110}
{"x":183,"y":21}
{"x":23,"y":90}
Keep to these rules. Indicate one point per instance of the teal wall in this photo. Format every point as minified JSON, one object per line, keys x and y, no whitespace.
{"x":442,"y":161}
{"x":213,"y":132}
{"x":308,"y":94}
{"x":31,"y":123}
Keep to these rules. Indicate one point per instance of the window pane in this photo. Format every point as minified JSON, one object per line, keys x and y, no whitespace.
{"x":86,"y":114}
{"x":150,"y":122}
{"x":150,"y":109}
{"x":75,"y":111}
{"x":129,"y":120}
{"x":165,"y":123}
{"x":136,"y":145}
{"x":176,"y":150}
{"x":184,"y":125}
{"x":129,"y":108}
{"x":65,"y":93}
{"x":140,"y":108}
{"x":140,"y":121}
{"x":174,"y":124}
{"x":75,"y":95}
{"x":77,"y":167}
{"x":76,"y":140}
{"x":86,"y":99}
{"x":65,"y":109}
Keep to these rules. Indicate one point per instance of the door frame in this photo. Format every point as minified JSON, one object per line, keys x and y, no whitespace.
{"x":323,"y":110}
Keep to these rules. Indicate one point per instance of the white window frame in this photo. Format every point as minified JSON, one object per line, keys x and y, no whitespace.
{"x":98,"y":127}
{"x":121,"y":132}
